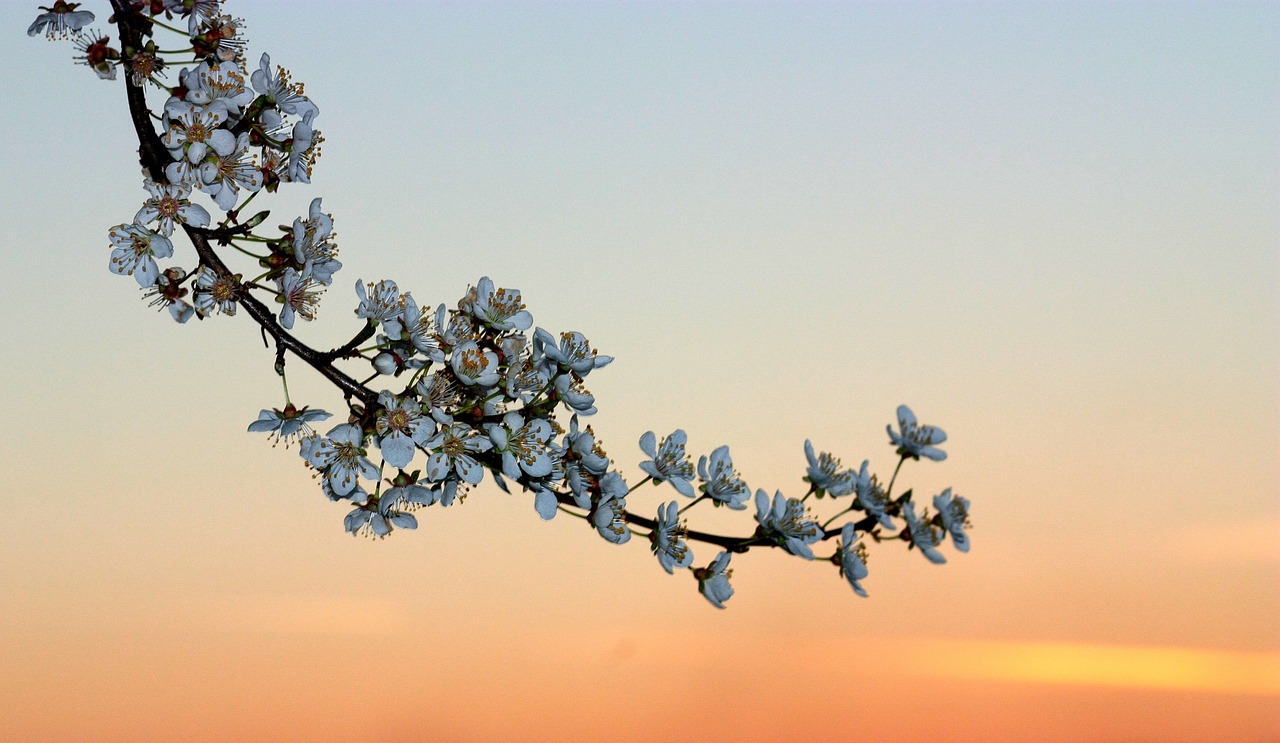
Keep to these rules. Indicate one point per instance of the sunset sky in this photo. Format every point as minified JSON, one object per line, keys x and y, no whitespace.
{"x":1049,"y":228}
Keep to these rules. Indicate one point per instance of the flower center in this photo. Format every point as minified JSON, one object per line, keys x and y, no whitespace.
{"x":197,"y":132}
{"x":398,"y":420}
{"x":223,"y":290}
{"x":168,"y":207}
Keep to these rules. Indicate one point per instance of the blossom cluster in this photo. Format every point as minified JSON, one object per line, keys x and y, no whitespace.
{"x":463,"y":392}
{"x":229,"y":132}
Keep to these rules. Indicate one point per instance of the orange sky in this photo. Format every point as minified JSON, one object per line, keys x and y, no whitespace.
{"x":1049,"y":228}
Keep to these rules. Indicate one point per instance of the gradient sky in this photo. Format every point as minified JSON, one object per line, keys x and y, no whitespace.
{"x":1050,"y":228}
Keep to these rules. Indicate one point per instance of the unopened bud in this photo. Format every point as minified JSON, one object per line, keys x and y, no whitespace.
{"x":385,"y":363}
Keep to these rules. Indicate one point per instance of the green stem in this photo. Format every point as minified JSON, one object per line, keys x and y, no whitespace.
{"x":827,"y":523}
{"x":889,"y":492}
{"x":692,"y":503}
{"x":633,"y":487}
{"x":251,"y":255}
{"x":564,"y":509}
{"x":167,"y":27}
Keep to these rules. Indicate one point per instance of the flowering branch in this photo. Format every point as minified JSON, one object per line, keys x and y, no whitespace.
{"x":483,"y":395}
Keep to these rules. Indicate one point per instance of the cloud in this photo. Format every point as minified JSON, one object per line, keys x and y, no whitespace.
{"x":1127,"y":666}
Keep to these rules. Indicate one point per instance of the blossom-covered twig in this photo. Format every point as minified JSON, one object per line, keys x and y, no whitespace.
{"x":463,"y":392}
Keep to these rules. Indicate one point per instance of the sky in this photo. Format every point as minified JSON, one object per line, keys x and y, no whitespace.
{"x":1049,"y":228}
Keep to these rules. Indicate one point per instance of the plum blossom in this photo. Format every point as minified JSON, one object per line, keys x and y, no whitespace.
{"x":491,"y":401}
{"x":194,"y":130}
{"x":357,"y":494}
{"x":169,"y":205}
{"x":280,"y":90}
{"x":406,"y":492}
{"x":786,"y":523}
{"x":304,"y":149}
{"x":168,"y":292}
{"x":340,"y":455}
{"x":573,"y":394}
{"x":451,"y":451}
{"x":500,"y":309}
{"x":853,"y":559}
{"x":523,"y":446}
{"x":914,"y":440}
{"x":524,"y":381}
{"x":97,"y":54}
{"x":383,"y":304}
{"x":313,"y":246}
{"x":584,"y":461}
{"x":455,"y":328}
{"x":474,"y":365}
{"x":298,"y":296}
{"x":421,"y":329}
{"x":196,"y":11}
{"x":713,"y":580}
{"x":215,"y":292}
{"x":438,"y":393}
{"x":720,"y":482}
{"x":287,"y":425}
{"x":389,"y":510}
{"x":825,"y":475}
{"x":369,"y":522}
{"x":223,"y":177}
{"x":445,"y":491}
{"x":59,"y":20}
{"x":609,"y":515}
{"x":954,"y":513}
{"x":924,"y":533}
{"x":667,"y":539}
{"x":144,"y":65}
{"x":573,"y":354}
{"x":136,"y":249}
{"x":216,"y":85}
{"x":401,"y":429}
{"x":871,"y":496}
{"x":668,"y":462}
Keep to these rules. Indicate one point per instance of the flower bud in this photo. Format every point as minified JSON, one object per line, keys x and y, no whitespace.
{"x":385,"y":363}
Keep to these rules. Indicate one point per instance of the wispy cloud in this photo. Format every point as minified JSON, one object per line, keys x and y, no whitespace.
{"x":1127,"y":666}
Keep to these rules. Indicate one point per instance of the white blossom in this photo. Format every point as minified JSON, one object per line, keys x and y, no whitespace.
{"x":720,"y":482}
{"x":853,"y":559}
{"x":59,"y":20}
{"x":500,"y":309}
{"x":169,"y":205}
{"x":223,"y":176}
{"x":313,"y":246}
{"x":925,"y":535}
{"x":280,"y":90}
{"x":474,"y":365}
{"x":914,"y":440}
{"x":194,"y":130}
{"x":340,"y":455}
{"x":451,"y":451}
{"x":954,"y":513}
{"x":713,"y":580}
{"x":786,"y":522}
{"x":669,"y":462}
{"x":824,"y":473}
{"x":667,"y":539}
{"x":136,"y":249}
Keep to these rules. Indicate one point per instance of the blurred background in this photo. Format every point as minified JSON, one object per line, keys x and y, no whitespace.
{"x":1051,"y":229}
